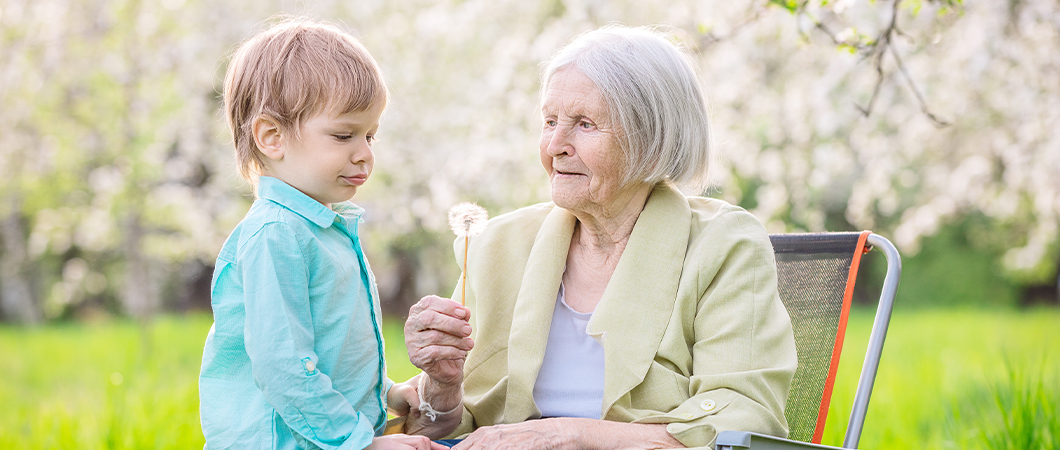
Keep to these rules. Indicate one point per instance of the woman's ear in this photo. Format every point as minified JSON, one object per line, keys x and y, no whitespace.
{"x":268,"y":137}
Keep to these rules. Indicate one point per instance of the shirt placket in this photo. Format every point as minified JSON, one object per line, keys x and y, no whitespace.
{"x":343,"y":224}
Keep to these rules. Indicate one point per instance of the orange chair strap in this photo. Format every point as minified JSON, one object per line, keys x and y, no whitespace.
{"x":848,"y":294}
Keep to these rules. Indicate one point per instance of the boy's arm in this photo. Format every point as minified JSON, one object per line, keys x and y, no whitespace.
{"x":280,"y":343}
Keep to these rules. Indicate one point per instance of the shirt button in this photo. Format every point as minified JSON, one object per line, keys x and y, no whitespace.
{"x":707,"y":405}
{"x":310,"y":366}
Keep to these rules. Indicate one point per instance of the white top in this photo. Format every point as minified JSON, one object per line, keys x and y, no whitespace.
{"x":571,"y":380}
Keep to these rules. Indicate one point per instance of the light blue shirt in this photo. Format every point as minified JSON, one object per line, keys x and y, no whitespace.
{"x":295,"y":356}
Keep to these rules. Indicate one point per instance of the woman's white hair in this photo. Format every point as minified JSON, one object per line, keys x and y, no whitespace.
{"x":653,"y":95}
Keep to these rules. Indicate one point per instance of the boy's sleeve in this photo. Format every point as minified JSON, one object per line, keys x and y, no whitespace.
{"x":280,"y":342}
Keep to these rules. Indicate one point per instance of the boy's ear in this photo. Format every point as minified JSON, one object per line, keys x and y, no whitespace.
{"x":268,"y":137}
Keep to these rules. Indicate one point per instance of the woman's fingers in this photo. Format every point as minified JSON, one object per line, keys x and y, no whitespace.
{"x":437,"y":330}
{"x":437,"y":337}
{"x":427,"y":338}
{"x":436,"y":313}
{"x":423,"y":356}
{"x":534,"y":434}
{"x":431,"y":320}
{"x":428,"y":347}
{"x":444,"y":306}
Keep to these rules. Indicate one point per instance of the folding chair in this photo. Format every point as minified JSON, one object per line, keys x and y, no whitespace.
{"x":816,"y":274}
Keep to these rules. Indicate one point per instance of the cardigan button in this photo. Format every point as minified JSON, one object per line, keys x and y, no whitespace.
{"x":707,"y":405}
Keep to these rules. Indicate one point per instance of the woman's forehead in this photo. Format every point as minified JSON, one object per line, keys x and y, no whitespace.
{"x":571,"y":91}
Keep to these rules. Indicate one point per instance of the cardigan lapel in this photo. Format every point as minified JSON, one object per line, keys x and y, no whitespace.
{"x":639,"y":299}
{"x":532,"y":316}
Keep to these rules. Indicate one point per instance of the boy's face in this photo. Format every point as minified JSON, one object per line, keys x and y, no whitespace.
{"x":331,"y":157}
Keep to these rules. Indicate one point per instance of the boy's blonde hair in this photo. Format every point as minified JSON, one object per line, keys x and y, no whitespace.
{"x":290,"y":72}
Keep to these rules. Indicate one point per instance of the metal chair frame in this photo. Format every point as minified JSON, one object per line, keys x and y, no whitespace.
{"x":734,"y":440}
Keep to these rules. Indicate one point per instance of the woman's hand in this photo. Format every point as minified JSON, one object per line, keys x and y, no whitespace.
{"x":437,"y":337}
{"x":569,"y":433}
{"x":404,"y":442}
{"x":552,"y":434}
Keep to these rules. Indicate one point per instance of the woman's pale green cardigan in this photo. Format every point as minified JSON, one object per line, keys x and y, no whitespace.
{"x":694,"y":333}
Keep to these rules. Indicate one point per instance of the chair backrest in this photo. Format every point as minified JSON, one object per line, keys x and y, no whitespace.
{"x":816,"y":274}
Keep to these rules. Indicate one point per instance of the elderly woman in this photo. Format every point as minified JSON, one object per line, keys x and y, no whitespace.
{"x":623,"y":314}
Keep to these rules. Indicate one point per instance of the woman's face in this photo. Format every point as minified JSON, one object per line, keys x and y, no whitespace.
{"x":579,"y":145}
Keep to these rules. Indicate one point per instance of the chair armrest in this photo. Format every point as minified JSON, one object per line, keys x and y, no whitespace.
{"x":739,"y":440}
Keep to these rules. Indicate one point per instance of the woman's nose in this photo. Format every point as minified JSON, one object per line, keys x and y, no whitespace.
{"x":558,"y":142}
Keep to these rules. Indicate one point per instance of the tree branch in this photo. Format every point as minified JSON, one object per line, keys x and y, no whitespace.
{"x":876,"y":50}
{"x":879,"y":48}
{"x":916,"y":91}
{"x":867,"y":110}
{"x":709,"y":39}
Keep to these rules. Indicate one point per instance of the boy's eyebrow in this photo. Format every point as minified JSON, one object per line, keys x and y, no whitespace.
{"x":350,"y":123}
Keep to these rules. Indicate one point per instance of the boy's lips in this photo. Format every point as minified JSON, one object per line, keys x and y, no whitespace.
{"x":356,"y":180}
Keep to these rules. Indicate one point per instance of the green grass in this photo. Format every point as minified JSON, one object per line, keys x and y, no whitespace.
{"x":946,"y":377}
{"x":949,"y":380}
{"x":113,"y":385}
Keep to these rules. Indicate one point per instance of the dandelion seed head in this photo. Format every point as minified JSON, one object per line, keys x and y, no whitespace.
{"x":467,"y":219}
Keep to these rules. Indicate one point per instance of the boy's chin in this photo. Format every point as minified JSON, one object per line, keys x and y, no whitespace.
{"x":344,"y":194}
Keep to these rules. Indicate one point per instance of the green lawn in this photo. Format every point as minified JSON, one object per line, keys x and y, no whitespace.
{"x":946,"y":378}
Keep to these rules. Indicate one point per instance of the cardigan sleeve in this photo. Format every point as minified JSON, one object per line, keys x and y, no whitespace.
{"x":743,"y":355}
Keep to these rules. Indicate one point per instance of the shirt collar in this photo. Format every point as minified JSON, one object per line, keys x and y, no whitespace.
{"x":277,"y":191}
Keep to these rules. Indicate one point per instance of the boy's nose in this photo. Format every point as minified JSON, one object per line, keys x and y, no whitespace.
{"x":363,"y":152}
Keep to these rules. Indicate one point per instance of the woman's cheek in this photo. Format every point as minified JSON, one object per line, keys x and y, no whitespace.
{"x":546,"y":159}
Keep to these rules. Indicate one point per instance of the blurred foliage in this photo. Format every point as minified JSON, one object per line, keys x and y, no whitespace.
{"x":120,"y":384}
{"x":950,"y":271}
{"x":912,"y":118}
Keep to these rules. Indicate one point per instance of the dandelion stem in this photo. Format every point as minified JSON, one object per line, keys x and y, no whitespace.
{"x":466,"y":220}
{"x":463,"y":283}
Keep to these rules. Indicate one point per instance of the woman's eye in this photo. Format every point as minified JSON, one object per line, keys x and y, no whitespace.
{"x":343,"y":137}
{"x":550,"y":123}
{"x":370,"y":139}
{"x":585,"y":124}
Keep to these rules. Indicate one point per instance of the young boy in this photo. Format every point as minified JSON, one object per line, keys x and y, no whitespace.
{"x":295,"y":356}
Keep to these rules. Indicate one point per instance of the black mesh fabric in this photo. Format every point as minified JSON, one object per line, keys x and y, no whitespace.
{"x":812,"y":274}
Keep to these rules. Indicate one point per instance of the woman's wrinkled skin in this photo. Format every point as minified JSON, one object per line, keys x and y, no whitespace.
{"x":437,"y":335}
{"x":569,"y":434}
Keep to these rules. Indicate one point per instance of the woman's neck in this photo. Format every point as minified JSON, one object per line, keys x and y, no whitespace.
{"x":604,"y":232}
{"x":595,"y":249}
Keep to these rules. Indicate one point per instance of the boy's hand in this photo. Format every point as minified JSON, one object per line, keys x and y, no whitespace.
{"x":404,"y":442}
{"x":403,"y":397}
